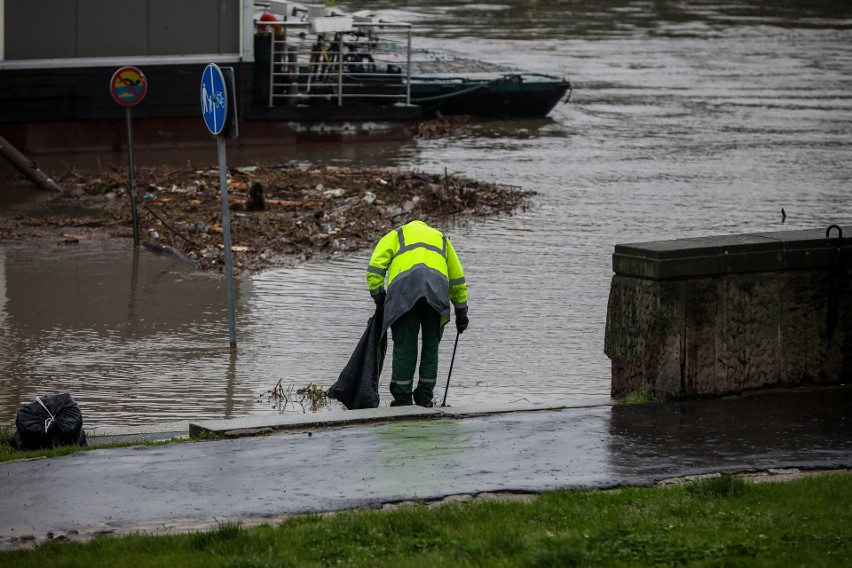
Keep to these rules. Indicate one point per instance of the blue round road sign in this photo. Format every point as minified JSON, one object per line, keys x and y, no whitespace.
{"x":214,"y":98}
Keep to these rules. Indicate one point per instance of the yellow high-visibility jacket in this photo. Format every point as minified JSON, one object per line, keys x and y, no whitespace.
{"x":418,"y":262}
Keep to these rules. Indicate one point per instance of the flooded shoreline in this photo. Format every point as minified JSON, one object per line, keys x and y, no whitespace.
{"x":686,"y":120}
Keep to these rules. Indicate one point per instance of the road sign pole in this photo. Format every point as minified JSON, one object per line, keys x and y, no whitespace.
{"x":214,"y":109}
{"x":132,"y":166}
{"x":226,"y":229}
{"x":128,"y":87}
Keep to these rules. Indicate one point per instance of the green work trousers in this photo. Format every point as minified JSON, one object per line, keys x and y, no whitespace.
{"x":405,"y":332}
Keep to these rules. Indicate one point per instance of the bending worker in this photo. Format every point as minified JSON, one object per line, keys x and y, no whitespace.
{"x":423,"y":276}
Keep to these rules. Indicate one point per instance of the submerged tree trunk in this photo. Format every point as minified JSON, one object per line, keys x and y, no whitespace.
{"x":27,"y":167}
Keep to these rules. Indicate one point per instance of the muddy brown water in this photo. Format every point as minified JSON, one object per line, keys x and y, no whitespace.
{"x":687,"y":119}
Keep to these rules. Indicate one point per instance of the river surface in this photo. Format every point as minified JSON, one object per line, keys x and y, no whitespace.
{"x":687,"y":119}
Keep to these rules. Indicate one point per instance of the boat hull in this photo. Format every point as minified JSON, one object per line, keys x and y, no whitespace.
{"x":506,"y":97}
{"x":317,"y":74}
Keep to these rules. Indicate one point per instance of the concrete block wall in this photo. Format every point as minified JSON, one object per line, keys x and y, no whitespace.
{"x":725,"y":315}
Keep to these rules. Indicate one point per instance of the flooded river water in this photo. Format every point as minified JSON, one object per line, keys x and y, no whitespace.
{"x":687,"y":119}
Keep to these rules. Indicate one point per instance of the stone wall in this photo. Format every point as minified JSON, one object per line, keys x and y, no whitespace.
{"x":723,"y":315}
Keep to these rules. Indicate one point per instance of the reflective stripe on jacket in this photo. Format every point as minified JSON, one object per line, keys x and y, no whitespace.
{"x":418,"y":262}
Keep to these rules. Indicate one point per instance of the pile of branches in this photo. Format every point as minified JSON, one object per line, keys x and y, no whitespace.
{"x":282,"y":214}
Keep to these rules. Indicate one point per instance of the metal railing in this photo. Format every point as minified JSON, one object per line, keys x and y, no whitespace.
{"x":338,"y":60}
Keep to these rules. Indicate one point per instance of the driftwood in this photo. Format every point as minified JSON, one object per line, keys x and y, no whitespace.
{"x":157,"y":247}
{"x":27,"y":167}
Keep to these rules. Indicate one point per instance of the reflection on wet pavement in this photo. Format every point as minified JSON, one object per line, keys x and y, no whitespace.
{"x":736,"y":434}
{"x":366,"y":465}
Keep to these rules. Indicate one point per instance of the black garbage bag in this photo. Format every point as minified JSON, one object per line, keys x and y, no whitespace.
{"x":49,"y":421}
{"x":358,"y":383}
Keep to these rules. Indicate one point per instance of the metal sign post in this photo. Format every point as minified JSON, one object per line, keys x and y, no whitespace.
{"x":128,"y":87}
{"x":214,"y":108}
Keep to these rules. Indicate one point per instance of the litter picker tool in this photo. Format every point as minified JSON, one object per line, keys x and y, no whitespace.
{"x":450,"y":374}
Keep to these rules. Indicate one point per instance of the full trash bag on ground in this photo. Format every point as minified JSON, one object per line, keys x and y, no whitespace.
{"x":49,"y":421}
{"x":358,"y":383}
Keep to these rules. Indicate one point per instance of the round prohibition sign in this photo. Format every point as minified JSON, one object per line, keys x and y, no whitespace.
{"x":128,"y":86}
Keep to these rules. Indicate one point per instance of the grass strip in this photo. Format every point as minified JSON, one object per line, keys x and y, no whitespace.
{"x":8,"y":453}
{"x":722,"y":521}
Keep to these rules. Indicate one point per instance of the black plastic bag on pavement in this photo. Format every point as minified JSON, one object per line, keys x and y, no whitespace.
{"x":49,"y":421}
{"x":358,"y":383}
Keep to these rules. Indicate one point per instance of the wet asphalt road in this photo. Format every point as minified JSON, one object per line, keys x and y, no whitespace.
{"x":364,"y":466}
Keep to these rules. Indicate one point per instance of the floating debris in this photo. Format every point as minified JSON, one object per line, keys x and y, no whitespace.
{"x":282,"y":214}
{"x":310,"y":397}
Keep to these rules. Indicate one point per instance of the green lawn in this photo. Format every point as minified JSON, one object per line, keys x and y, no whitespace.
{"x":723,"y":521}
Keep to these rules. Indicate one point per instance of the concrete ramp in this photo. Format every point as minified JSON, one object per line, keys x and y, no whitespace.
{"x":192,"y":486}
